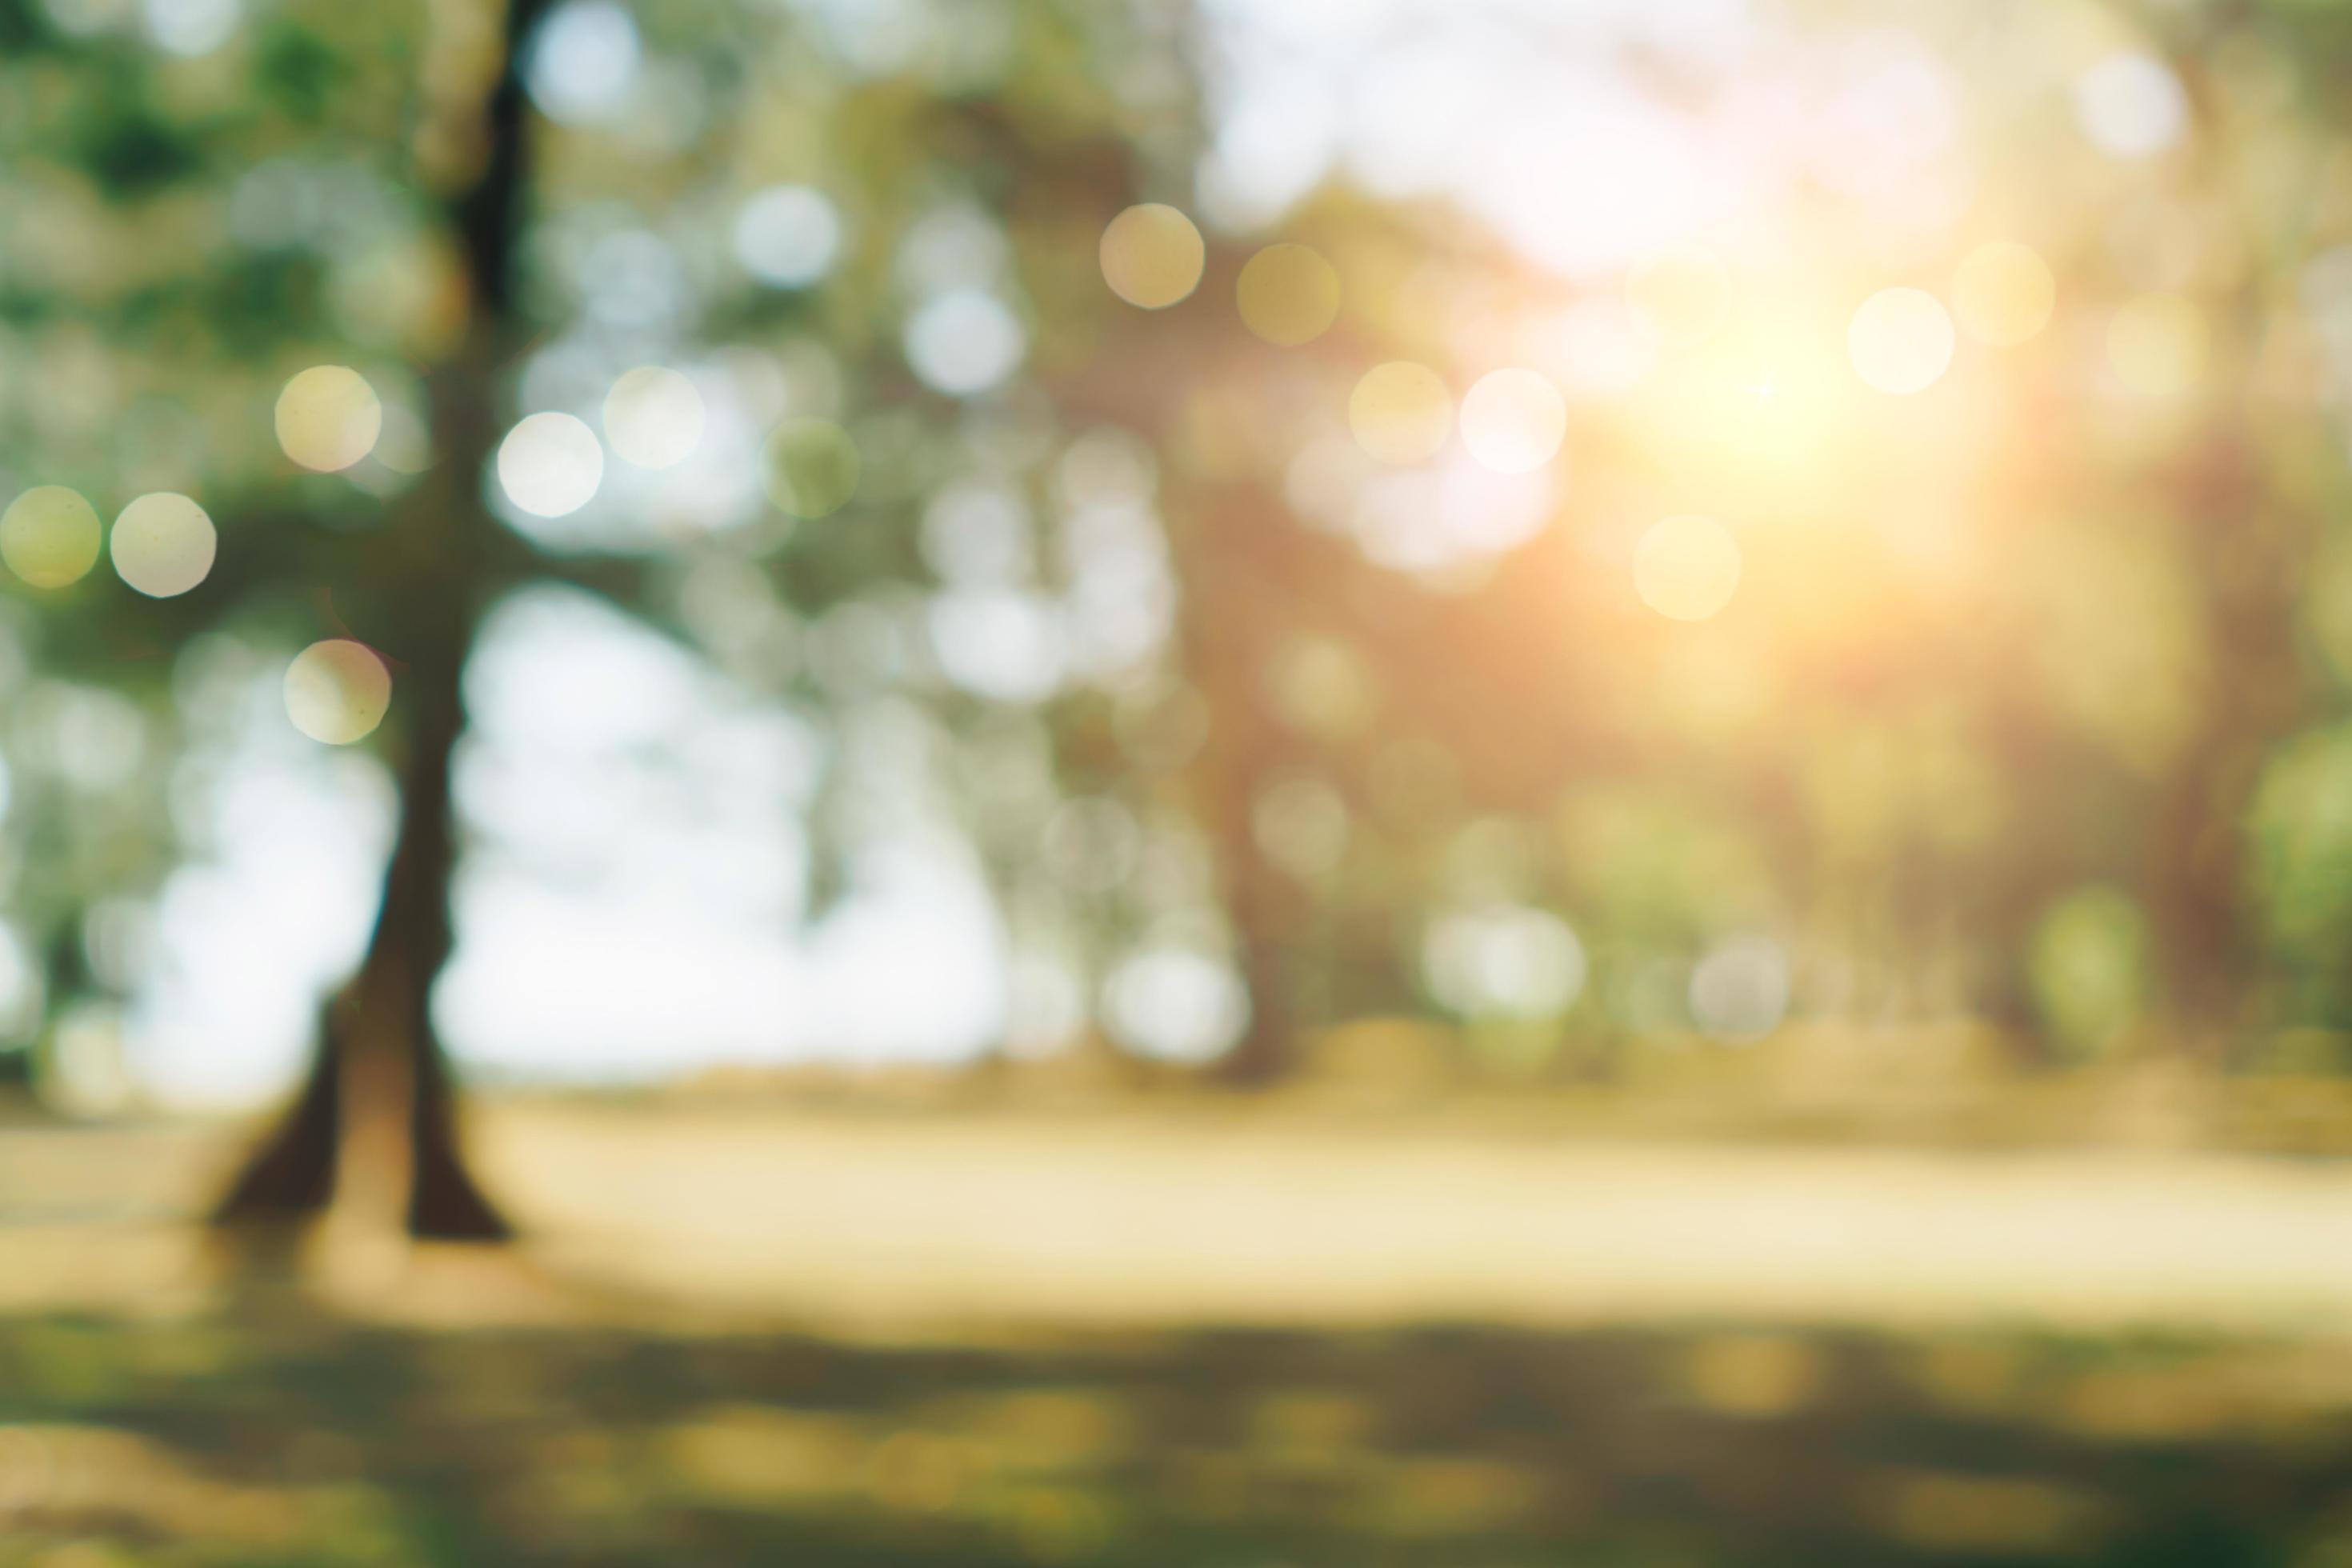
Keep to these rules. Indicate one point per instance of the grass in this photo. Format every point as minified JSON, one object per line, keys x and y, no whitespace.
{"x":767,"y":1335}
{"x":286,"y":1435}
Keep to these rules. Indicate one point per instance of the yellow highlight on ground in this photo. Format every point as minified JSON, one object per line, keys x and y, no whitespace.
{"x":1288,"y":295}
{"x":337,"y":691}
{"x":2003,"y":293}
{"x":329,"y":417}
{"x":1402,"y":413}
{"x":49,"y":536}
{"x":1152,"y":255}
{"x":1686,"y":568}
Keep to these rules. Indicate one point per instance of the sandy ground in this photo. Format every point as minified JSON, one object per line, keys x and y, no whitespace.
{"x":901,"y":1220}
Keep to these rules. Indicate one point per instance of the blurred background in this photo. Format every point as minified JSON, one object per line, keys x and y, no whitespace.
{"x":1260,"y":781}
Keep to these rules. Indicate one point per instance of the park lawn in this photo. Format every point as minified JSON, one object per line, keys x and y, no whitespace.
{"x":280,"y":1431}
{"x":800,"y":1339}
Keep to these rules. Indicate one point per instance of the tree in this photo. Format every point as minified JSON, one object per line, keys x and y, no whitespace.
{"x":1012,"y":134}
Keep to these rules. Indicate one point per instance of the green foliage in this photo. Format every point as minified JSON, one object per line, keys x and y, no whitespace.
{"x":1711,"y":1445}
{"x":2090,"y":969}
{"x":2301,"y":826}
{"x":2046,"y":638}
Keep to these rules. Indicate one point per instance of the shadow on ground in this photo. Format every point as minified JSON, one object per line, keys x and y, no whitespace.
{"x":286,"y":1435}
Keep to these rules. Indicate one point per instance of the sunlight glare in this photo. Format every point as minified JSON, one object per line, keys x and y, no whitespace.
{"x":1901,"y":341}
{"x":2003,"y":293}
{"x":1512,"y":421}
{"x":1682,"y":292}
{"x":1686,"y":568}
{"x":2157,"y":345}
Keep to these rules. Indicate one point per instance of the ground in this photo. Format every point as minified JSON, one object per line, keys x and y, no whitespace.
{"x":764,"y":1335}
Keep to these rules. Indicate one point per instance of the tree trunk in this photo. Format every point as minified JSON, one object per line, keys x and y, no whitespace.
{"x":1264,"y":937}
{"x":375,"y":1129}
{"x":375,"y":1126}
{"x":1234,"y":611}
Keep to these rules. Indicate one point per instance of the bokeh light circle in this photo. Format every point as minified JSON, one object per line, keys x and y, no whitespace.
{"x":329,"y":417}
{"x":654,"y":417}
{"x":1901,"y":341}
{"x":1512,"y":421}
{"x":582,"y":65}
{"x":1401,"y":413}
{"x":162,"y":544}
{"x":1152,"y":255}
{"x":1288,"y":295}
{"x":1686,"y":568}
{"x":964,"y":341}
{"x":49,"y":536}
{"x":550,"y":464}
{"x":1739,"y":991}
{"x":337,"y":691}
{"x":2003,"y":293}
{"x":810,"y":468}
{"x":787,"y":236}
{"x":2131,"y":105}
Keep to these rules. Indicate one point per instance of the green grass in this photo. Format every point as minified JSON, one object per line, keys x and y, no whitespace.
{"x":283,"y":1435}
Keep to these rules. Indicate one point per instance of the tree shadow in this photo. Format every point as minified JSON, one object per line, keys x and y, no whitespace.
{"x":296,"y":1436}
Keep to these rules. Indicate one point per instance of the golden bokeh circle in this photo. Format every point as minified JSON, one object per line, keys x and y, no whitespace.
{"x":1152,"y":255}
{"x":337,"y":691}
{"x":49,"y":536}
{"x":329,"y":417}
{"x":1288,"y":295}
{"x":1400,"y":412}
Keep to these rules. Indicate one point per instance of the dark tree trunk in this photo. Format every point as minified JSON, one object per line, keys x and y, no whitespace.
{"x":1234,"y":611}
{"x":376,"y":1125}
{"x":1263,"y":1056}
{"x":2252,"y":557}
{"x":377,"y":1115}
